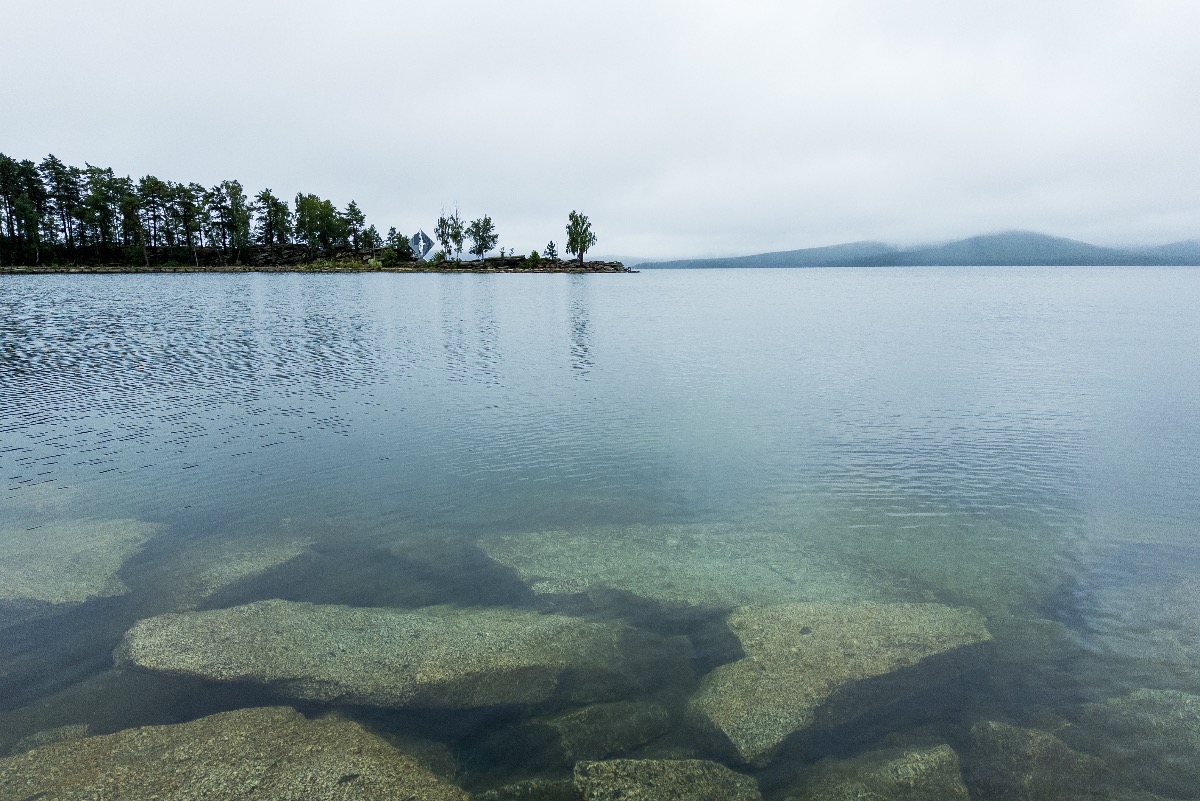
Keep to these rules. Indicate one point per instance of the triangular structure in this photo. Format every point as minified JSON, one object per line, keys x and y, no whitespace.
{"x":421,"y":245}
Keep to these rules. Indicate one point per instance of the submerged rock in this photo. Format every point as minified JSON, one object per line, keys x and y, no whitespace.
{"x":69,"y":561}
{"x":1133,"y":607}
{"x":662,"y":779}
{"x":436,"y":656}
{"x":912,"y":774}
{"x":960,"y":558}
{"x":601,"y":730}
{"x":111,"y":701}
{"x":539,"y":789}
{"x":1008,"y":763}
{"x":718,"y":566}
{"x":59,"y":734}
{"x":597,"y":731}
{"x":198,"y":570}
{"x":823,"y":664}
{"x":435,"y":757}
{"x":261,"y":753}
{"x":1150,"y":735}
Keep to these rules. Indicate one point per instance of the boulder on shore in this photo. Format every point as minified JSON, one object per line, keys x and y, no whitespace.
{"x":897,"y":774}
{"x":812,"y":664}
{"x":431,"y":657}
{"x":262,"y":753}
{"x":661,"y":779}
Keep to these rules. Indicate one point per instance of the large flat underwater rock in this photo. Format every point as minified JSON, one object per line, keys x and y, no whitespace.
{"x":69,"y":561}
{"x":718,"y":566}
{"x":431,"y":657}
{"x":960,"y":558}
{"x":814,"y":664}
{"x":662,"y":779}
{"x":261,"y":753}
{"x":928,"y":773}
{"x":195,"y":571}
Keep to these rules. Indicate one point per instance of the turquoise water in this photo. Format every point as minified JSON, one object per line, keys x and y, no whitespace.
{"x":651,"y":450}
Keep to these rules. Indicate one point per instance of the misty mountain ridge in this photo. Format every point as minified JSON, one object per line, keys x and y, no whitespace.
{"x":1011,"y":248}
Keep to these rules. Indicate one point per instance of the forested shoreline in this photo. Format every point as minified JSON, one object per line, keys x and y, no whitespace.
{"x":55,"y":217}
{"x":56,"y":213}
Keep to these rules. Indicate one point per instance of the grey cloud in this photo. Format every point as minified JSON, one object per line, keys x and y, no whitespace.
{"x":682,"y":128}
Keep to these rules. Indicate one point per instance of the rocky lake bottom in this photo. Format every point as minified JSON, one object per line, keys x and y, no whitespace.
{"x":547,"y":541}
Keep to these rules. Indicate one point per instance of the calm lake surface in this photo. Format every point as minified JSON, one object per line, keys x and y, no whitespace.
{"x":648,"y":451}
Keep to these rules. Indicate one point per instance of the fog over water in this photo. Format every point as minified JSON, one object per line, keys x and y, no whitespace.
{"x":683,"y":129}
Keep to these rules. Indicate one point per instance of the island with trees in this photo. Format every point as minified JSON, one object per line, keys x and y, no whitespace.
{"x":55,"y":217}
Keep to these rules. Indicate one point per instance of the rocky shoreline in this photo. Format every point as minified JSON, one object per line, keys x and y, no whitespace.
{"x":507,"y":264}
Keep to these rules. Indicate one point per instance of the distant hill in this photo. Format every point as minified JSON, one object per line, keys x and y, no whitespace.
{"x":1013,"y":248}
{"x":1186,"y":252}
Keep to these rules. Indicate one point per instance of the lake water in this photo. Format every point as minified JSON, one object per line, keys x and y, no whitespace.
{"x":640,"y":452}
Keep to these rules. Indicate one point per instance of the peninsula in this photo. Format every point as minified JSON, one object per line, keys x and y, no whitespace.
{"x":253,"y":261}
{"x":57,"y":218}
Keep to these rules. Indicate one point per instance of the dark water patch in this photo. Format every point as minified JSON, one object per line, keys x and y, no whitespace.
{"x":111,"y":700}
{"x":33,"y":664}
{"x":372,"y":575}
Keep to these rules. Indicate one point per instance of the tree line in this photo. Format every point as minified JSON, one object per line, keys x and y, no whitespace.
{"x":451,"y":233}
{"x":52,"y":212}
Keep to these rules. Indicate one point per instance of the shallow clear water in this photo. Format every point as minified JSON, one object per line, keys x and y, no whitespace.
{"x":1019,"y":441}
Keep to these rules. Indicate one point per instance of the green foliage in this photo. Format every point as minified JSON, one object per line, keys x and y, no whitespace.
{"x":400,"y":243}
{"x":371,"y":240}
{"x":534,"y":259}
{"x":274,"y":219}
{"x":319,"y":225}
{"x":483,"y":236}
{"x":131,"y":215}
{"x":228,"y":215}
{"x":153,"y":195}
{"x":442,"y":233}
{"x":186,"y":212}
{"x":53,"y":212}
{"x":580,"y":238}
{"x":450,"y":234}
{"x":64,"y":187}
{"x":100,"y":215}
{"x":354,"y":222}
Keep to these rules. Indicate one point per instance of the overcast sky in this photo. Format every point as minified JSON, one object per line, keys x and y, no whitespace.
{"x":681,"y":128}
